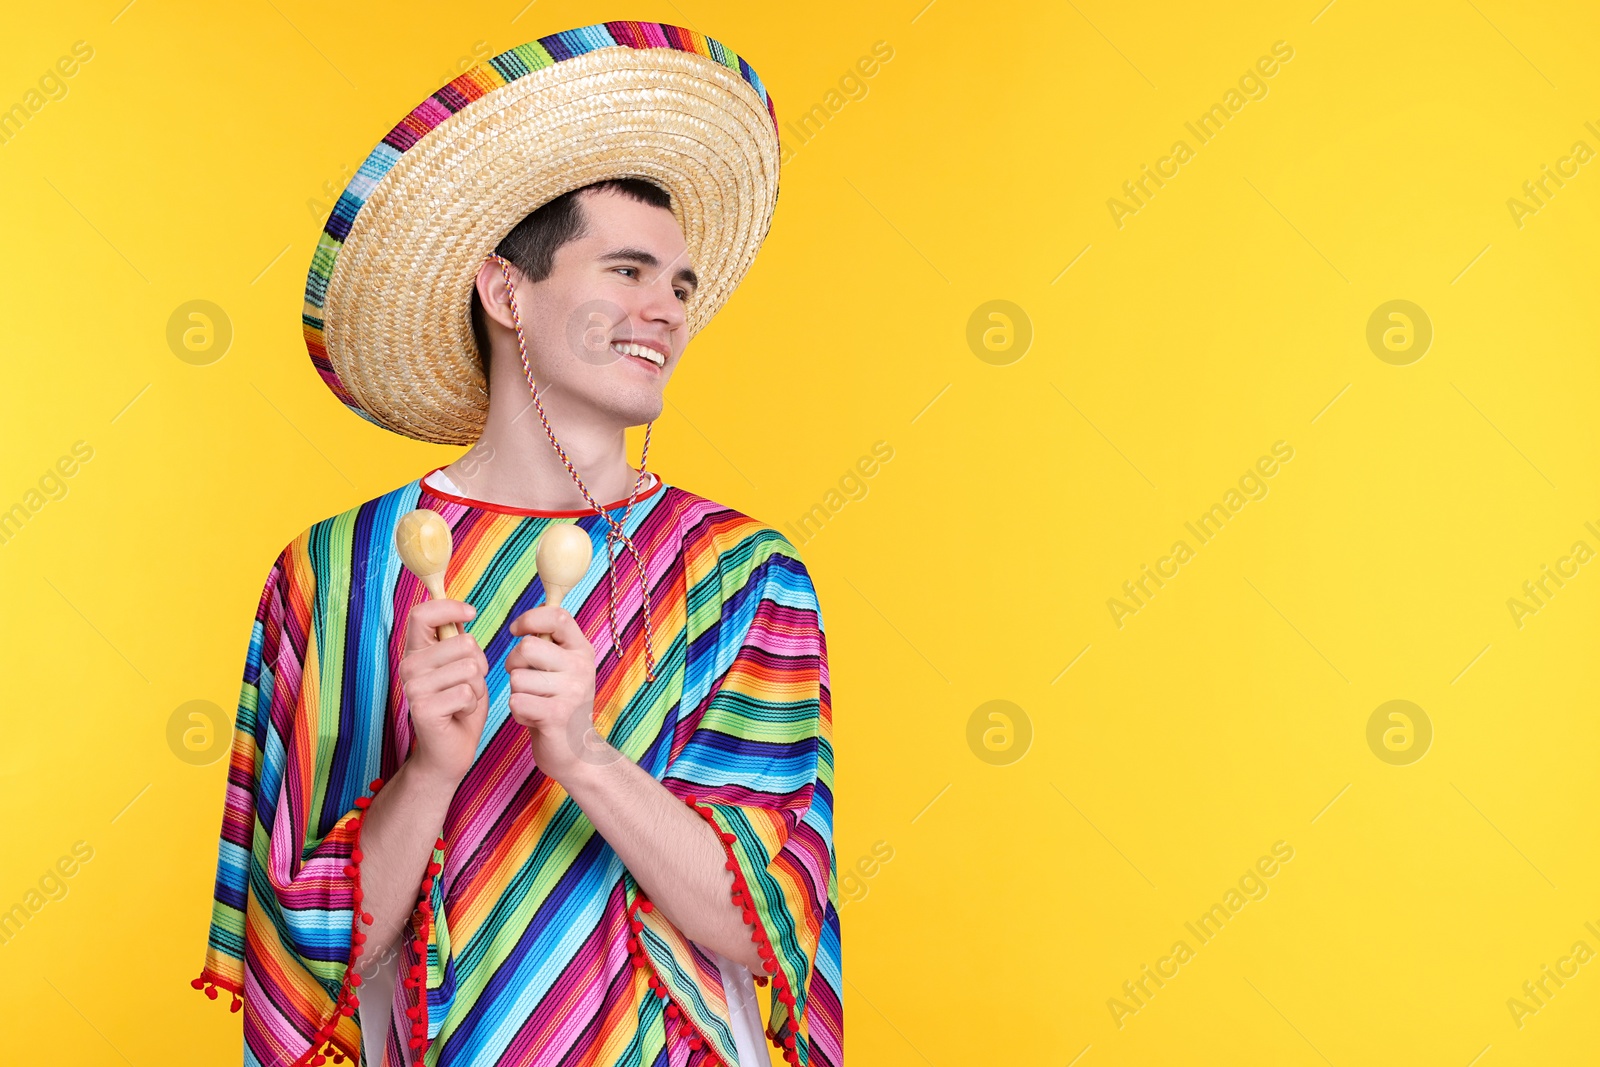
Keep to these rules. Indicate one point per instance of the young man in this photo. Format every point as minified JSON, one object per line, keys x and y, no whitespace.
{"x":571,"y":831}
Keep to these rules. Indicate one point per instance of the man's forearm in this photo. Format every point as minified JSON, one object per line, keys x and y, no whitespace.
{"x":397,"y":839}
{"x":672,"y":852}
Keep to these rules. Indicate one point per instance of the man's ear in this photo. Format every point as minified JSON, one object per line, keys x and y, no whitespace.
{"x":491,"y":286}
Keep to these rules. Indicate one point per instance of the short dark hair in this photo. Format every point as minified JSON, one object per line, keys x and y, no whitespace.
{"x":532,"y":244}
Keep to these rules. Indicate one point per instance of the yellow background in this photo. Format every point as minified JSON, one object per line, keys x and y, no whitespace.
{"x":1229,"y":313}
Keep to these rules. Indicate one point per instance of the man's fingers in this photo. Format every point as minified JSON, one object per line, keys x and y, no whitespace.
{"x":415,"y":666}
{"x":537,"y":683}
{"x":533,"y":621}
{"x":474,"y":714}
{"x":553,"y":620}
{"x":470,"y":698}
{"x":532,"y":652}
{"x":427,"y":616}
{"x":567,"y":632}
{"x":445,"y":677}
{"x":438,"y":653}
{"x":528,"y":708}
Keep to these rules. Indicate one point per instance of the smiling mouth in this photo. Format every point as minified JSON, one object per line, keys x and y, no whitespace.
{"x":644,"y":352}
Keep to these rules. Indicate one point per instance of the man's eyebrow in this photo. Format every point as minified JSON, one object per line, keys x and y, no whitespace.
{"x":648,"y":259}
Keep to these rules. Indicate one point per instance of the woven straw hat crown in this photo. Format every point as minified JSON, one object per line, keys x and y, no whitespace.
{"x":387,"y":315}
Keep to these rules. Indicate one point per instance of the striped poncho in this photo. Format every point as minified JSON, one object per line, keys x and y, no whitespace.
{"x":541,"y":949}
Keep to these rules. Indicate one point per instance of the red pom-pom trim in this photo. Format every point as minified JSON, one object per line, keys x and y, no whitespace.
{"x":424,"y":919}
{"x":742,"y":899}
{"x":677,"y":1018}
{"x":211,"y":984}
{"x":347,"y":1000}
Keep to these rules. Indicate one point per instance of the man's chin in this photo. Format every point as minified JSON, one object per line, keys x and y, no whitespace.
{"x":640,"y":413}
{"x":623,"y":408}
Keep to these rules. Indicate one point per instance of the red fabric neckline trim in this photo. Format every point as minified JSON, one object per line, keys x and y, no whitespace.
{"x":576,"y":513}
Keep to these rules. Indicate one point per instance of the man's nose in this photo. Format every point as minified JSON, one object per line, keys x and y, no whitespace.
{"x":662,"y":305}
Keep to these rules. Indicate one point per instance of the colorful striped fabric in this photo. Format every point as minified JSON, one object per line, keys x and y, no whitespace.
{"x":533,"y":957}
{"x":487,"y":76}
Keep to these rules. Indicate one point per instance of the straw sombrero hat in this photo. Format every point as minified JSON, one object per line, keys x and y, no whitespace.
{"x":387,"y":311}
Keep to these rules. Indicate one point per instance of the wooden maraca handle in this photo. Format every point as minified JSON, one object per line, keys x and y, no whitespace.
{"x":553,"y":594}
{"x":435,"y":584}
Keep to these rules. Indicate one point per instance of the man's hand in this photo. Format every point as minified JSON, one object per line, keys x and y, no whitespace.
{"x":444,"y":686}
{"x":552,"y":691}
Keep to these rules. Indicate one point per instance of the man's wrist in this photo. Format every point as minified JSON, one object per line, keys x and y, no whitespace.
{"x":424,"y":778}
{"x":593,"y":771}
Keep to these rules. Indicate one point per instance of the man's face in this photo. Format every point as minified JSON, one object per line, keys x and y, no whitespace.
{"x":606,"y":329}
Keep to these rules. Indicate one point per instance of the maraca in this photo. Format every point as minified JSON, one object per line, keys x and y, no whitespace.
{"x":423,"y":541}
{"x":562,"y":559}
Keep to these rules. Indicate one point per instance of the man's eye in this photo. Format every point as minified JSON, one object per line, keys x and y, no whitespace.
{"x":628,"y":269}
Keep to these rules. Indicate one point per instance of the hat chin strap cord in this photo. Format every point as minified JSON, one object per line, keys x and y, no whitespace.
{"x":614,"y":528}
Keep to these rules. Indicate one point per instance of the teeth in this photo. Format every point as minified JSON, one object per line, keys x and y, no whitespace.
{"x":628,"y":348}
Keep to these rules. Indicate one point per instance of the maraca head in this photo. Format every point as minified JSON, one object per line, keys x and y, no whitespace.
{"x":563,"y":555}
{"x":423,"y":540}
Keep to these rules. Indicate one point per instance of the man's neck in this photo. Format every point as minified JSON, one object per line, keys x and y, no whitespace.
{"x":514,"y":464}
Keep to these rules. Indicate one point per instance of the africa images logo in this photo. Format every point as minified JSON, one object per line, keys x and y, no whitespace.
{"x":1252,"y":85}
{"x":1252,"y":485}
{"x":1252,"y":885}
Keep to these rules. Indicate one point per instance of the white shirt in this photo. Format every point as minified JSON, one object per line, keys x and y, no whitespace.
{"x":440,"y":480}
